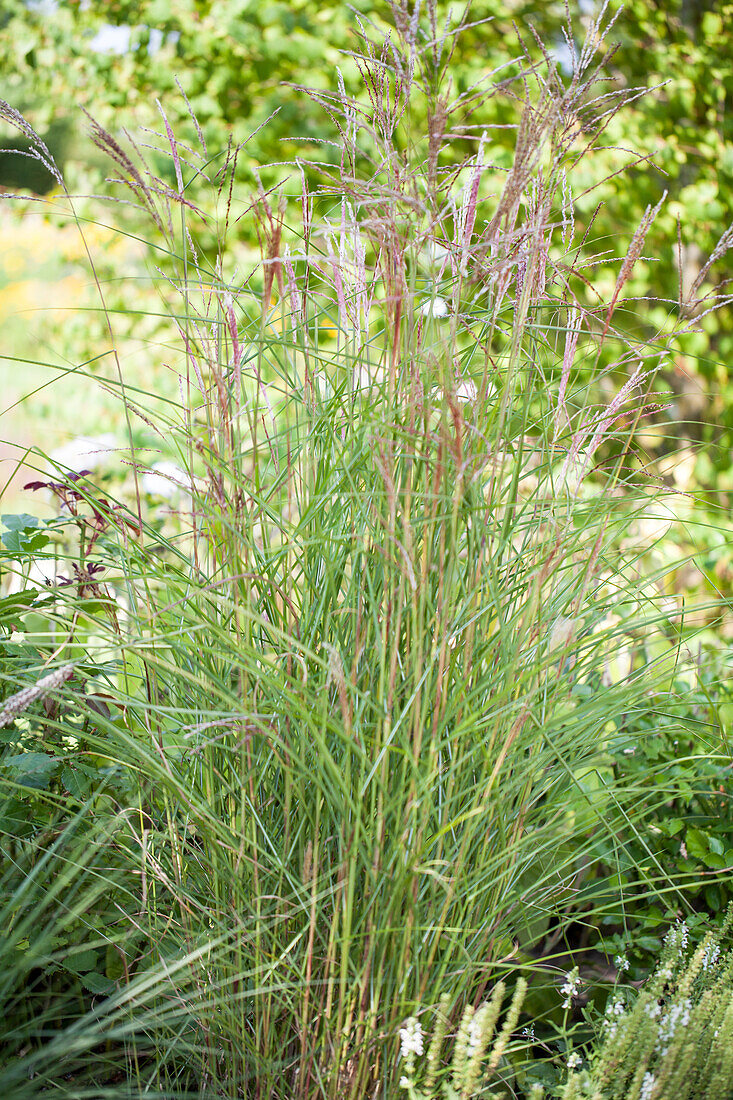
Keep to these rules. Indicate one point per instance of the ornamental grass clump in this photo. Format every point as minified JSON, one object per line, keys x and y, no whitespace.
{"x":675,"y":1039}
{"x":351,"y":700}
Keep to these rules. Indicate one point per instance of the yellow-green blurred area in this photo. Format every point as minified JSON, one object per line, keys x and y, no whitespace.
{"x":238,"y":66}
{"x":56,"y":353}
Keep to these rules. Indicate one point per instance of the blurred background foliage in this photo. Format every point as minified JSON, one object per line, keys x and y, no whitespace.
{"x":242,"y":64}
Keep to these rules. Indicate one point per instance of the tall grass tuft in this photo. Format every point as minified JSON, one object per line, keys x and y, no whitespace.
{"x":359,"y":681}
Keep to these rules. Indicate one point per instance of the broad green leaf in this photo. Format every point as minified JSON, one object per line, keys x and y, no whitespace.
{"x":32,"y":769}
{"x":696,"y":843}
{"x":80,"y":962}
{"x":97,"y":983}
{"x":20,"y":522}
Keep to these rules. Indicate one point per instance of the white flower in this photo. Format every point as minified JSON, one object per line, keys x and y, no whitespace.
{"x":404,"y":1083}
{"x":677,"y":937}
{"x":665,"y":973}
{"x":411,"y":1037}
{"x":712,"y":953}
{"x":435,"y":307}
{"x":622,"y":963}
{"x":571,"y":987}
{"x":647,"y":1086}
{"x":574,"y":1061}
{"x":678,"y":1014}
{"x":474,"y":1032}
{"x":615,"y":1009}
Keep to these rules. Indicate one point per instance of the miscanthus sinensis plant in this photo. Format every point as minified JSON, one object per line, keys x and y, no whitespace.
{"x":355,"y":683}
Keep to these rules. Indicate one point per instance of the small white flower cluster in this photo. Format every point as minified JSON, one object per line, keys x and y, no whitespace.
{"x":677,"y":937}
{"x":711,"y":956}
{"x":571,"y":987}
{"x":615,"y":1009}
{"x":574,"y":1061}
{"x":528,"y":1033}
{"x":475,"y":1029}
{"x":621,"y":963}
{"x":665,"y":973}
{"x":647,"y":1087}
{"x":678,"y":1014}
{"x":653,"y":1010}
{"x":411,"y":1038}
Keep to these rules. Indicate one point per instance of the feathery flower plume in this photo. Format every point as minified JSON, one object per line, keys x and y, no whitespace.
{"x":174,"y":147}
{"x":38,"y":149}
{"x":613,"y":411}
{"x":21,"y":700}
{"x":633,"y":254}
{"x":467,"y":217}
{"x":568,"y":213}
{"x":295,"y":310}
{"x":575,"y":323}
{"x":692,"y":302}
